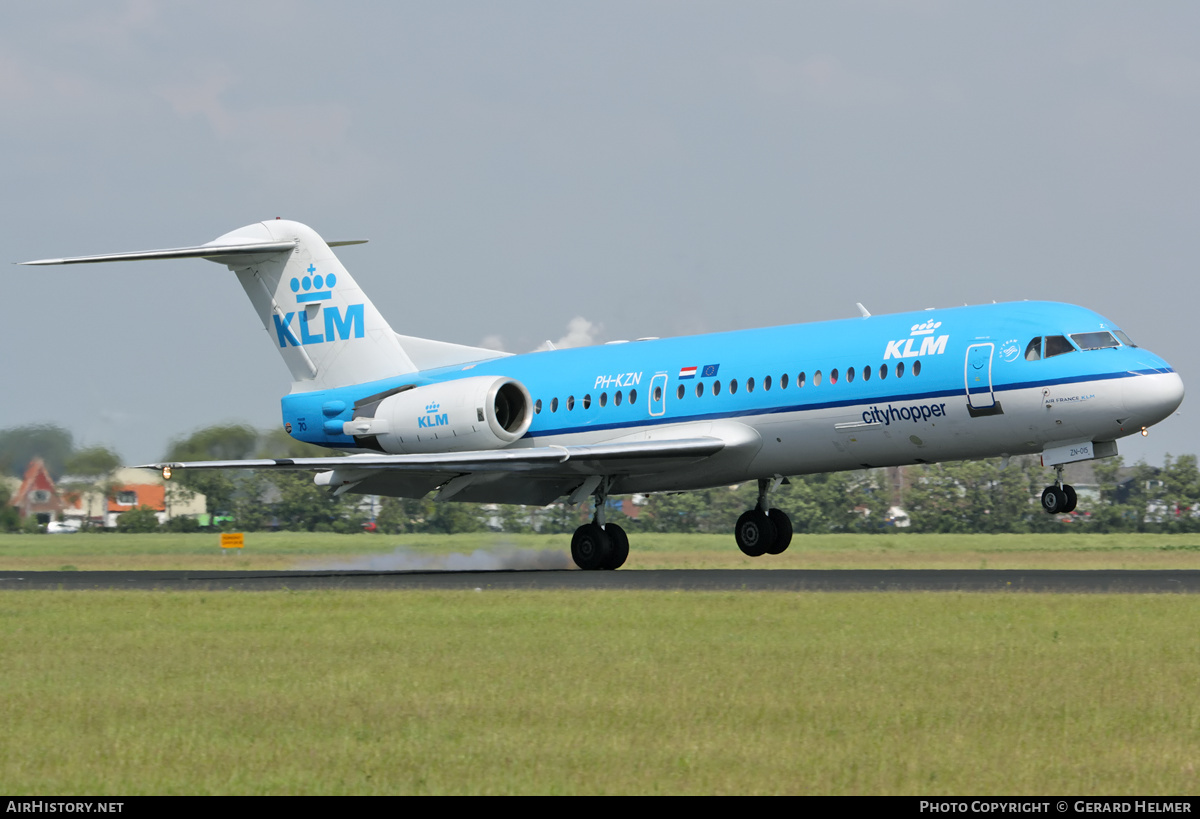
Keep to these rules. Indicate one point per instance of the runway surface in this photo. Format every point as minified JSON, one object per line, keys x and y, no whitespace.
{"x":781,"y":580}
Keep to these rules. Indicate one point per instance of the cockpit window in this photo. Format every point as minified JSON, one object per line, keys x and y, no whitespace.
{"x":1057,"y":345}
{"x":1094,"y":341}
{"x":1034,"y":351}
{"x":1124,"y":339}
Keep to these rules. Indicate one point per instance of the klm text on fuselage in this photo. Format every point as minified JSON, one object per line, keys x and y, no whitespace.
{"x":903,"y":347}
{"x":336,"y":326}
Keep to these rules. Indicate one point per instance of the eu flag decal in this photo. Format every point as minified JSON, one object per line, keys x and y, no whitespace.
{"x":710,"y":371}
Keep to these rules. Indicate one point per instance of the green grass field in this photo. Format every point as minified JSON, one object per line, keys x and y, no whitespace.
{"x":290,"y":550}
{"x":599,"y":692}
{"x":617,"y":692}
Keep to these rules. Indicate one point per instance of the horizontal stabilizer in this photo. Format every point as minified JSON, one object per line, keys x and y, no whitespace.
{"x":198,"y":252}
{"x":209,"y":251}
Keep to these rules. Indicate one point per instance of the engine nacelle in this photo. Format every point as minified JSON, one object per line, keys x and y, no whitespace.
{"x":481,"y":412}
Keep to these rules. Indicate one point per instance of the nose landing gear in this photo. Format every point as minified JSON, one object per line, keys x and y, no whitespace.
{"x":1060,"y":498}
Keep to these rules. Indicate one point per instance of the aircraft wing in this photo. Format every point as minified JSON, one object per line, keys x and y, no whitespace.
{"x":527,"y":475}
{"x":550,"y":460}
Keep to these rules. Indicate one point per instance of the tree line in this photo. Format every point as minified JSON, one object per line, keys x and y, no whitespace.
{"x":970,"y":496}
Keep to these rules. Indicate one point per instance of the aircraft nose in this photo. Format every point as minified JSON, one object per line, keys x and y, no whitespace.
{"x":1151,"y":397}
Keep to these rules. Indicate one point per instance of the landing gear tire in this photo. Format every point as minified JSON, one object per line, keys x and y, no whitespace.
{"x":1072,"y":498}
{"x":783,"y":532}
{"x":1054,"y":500}
{"x":618,"y":546}
{"x":754,"y":533}
{"x":591,"y":548}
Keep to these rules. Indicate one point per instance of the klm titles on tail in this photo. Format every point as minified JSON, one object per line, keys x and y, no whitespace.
{"x":317,"y":288}
{"x":337,"y":326}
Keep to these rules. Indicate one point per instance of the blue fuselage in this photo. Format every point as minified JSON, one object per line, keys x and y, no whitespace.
{"x":935,"y":385}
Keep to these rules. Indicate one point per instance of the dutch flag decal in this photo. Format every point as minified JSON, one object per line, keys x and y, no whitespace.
{"x":687,"y":372}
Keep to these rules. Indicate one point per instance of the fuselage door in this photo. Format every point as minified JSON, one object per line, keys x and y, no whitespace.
{"x":658,"y":394}
{"x":978,"y":370}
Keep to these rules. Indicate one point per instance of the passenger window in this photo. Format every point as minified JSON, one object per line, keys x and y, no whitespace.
{"x":716,"y":388}
{"x":570,"y":403}
{"x":633,"y":396}
{"x":867,"y":373}
{"x":733,"y":387}
{"x":1094,"y":341}
{"x":554,"y":405}
{"x":1034,"y":351}
{"x":783,"y":381}
{"x":700,"y":390}
{"x":817,"y":378}
{"x":850,"y":375}
{"x":680,"y":392}
{"x":604,"y":399}
{"x":800,"y":381}
{"x":617,"y":398}
{"x":657,"y":394}
{"x":900,"y":369}
{"x":587,"y":401}
{"x":767,"y":383}
{"x":833,"y":376}
{"x":537,"y":407}
{"x":882,"y":371}
{"x":916,"y":367}
{"x":749,"y":385}
{"x":1057,"y":345}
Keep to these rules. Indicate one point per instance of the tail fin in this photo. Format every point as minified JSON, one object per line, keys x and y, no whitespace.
{"x":327,"y":331}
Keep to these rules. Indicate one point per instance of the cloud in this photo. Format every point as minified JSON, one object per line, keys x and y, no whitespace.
{"x":493,"y":342}
{"x":580,"y":333}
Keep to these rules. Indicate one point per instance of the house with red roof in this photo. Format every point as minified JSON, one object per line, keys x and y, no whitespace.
{"x":37,"y":494}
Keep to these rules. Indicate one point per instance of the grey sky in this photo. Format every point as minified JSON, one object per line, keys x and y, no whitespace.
{"x":653,"y":168}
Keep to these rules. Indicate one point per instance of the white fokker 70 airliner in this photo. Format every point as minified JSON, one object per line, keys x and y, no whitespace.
{"x":674,"y":414}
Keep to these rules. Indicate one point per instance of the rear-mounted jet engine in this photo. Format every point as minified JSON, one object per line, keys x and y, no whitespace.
{"x":483,"y":412}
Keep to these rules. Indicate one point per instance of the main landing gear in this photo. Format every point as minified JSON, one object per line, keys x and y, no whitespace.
{"x":1060,"y":498}
{"x":599,"y":545}
{"x":762,"y":530}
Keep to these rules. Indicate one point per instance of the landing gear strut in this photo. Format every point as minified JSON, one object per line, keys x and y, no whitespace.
{"x":764,"y":530}
{"x":1060,"y":498}
{"x":599,"y":545}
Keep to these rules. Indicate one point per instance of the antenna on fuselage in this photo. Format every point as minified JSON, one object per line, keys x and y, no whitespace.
{"x":864,"y":311}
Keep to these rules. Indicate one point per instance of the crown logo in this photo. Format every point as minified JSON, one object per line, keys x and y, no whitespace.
{"x":433,"y":407}
{"x":316,"y":287}
{"x":925,"y":328}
